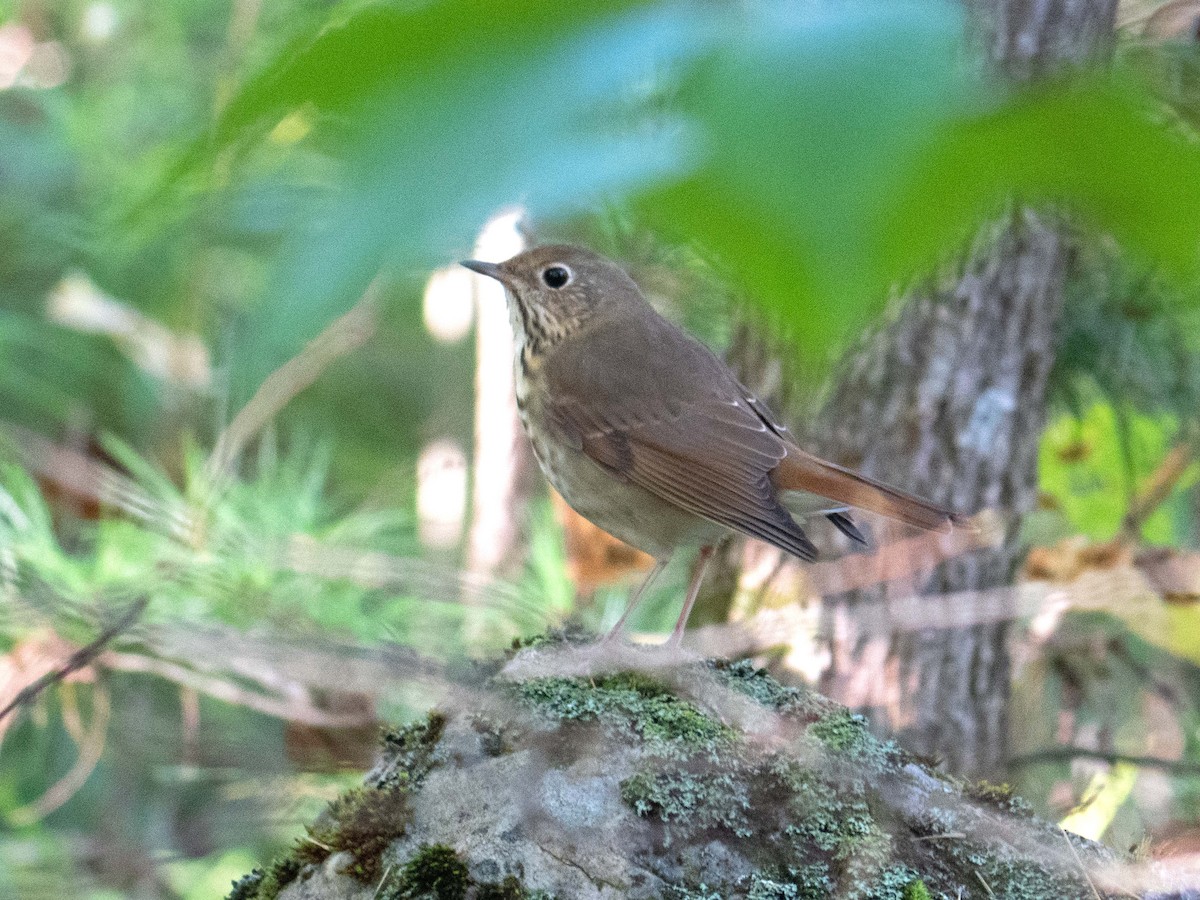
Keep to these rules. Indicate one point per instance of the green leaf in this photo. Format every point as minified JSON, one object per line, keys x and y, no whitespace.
{"x":806,"y":113}
{"x":847,"y":150}
{"x":436,"y":116}
{"x":1094,"y":145}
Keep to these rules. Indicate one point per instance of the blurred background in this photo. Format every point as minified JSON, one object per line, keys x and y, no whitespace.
{"x":262,"y":486}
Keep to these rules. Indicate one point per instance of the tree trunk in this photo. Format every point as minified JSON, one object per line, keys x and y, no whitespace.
{"x":948,"y":400}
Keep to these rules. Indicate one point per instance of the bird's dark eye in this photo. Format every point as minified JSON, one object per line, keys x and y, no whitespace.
{"x":556,"y":276}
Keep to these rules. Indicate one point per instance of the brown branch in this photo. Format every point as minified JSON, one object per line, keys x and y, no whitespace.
{"x":229,"y":692}
{"x":1070,"y":754}
{"x":1157,"y":489}
{"x":80,"y":658}
{"x":346,"y":333}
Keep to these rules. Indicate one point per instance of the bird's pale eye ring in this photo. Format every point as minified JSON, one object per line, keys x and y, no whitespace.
{"x":556,"y":276}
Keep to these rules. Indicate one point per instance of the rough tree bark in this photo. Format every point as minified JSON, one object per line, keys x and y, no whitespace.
{"x":949,"y":400}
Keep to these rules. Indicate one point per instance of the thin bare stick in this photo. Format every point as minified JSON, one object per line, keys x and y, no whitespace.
{"x":987,"y":887}
{"x":1079,"y":862}
{"x":229,"y":692}
{"x":382,"y":882}
{"x":1158,"y":488}
{"x":345,"y":333}
{"x":80,"y":658}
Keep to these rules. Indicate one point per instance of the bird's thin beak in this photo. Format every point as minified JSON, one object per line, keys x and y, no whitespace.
{"x":491,"y":270}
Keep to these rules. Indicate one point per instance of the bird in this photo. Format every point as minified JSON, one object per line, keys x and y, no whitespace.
{"x":648,"y":434}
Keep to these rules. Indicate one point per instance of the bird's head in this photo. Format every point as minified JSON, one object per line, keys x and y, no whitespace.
{"x":555,"y":290}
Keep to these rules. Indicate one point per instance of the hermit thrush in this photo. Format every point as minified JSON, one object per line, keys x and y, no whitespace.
{"x":645,"y":432}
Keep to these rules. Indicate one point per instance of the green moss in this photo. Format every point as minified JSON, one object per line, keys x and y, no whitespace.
{"x":701,"y":892}
{"x":281,"y":873}
{"x":813,"y":881}
{"x":260,"y":885}
{"x":508,"y":889}
{"x":833,"y":817}
{"x":836,"y":820}
{"x":695,"y":801}
{"x":894,"y":883}
{"x":361,"y":822}
{"x":246,"y":887}
{"x":756,"y":683}
{"x":1009,"y":878}
{"x":412,"y":751}
{"x":1021,"y":880}
{"x":843,"y":730}
{"x":436,"y":872}
{"x":809,"y":882}
{"x":1000,"y":796}
{"x":628,"y":700}
{"x":555,"y":637}
{"x":762,"y":888}
{"x":807,"y":820}
{"x":846,"y":734}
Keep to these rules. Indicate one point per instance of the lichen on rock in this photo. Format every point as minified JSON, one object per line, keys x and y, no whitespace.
{"x":582,"y":771}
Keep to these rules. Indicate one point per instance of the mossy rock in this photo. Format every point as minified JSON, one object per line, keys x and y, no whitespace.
{"x":606,"y":772}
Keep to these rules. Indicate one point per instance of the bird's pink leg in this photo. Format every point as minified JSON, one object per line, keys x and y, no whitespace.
{"x":636,"y":597}
{"x":693,"y":591}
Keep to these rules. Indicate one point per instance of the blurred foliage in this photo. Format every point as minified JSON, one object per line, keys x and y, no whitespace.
{"x":238,"y":173}
{"x":1128,"y":336}
{"x":1092,"y":463}
{"x":270,"y":553}
{"x":1109,"y":674}
{"x":1125,"y":386}
{"x":819,"y":153}
{"x":432,"y":117}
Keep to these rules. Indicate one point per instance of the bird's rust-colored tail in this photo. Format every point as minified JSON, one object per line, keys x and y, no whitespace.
{"x":800,"y":471}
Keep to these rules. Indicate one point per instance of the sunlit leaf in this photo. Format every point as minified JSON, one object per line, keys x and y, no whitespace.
{"x":1092,"y":470}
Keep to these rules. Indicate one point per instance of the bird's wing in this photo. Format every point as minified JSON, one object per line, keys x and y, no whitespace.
{"x":659,"y":410}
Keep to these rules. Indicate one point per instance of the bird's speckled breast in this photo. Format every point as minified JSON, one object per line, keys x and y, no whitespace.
{"x":626,"y":511}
